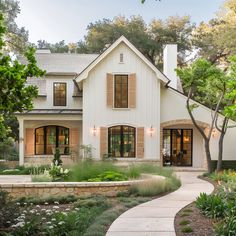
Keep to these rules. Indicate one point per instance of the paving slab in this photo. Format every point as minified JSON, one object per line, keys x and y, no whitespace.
{"x":12,"y":179}
{"x":156,"y":217}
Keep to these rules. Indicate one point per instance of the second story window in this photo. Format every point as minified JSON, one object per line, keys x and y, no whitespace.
{"x":59,"y":94}
{"x":121,"y":91}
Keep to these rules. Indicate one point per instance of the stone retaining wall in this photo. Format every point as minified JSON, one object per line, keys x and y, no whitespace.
{"x":46,"y":189}
{"x":17,"y":190}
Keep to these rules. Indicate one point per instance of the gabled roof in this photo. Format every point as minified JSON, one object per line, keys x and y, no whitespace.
{"x":84,"y":74}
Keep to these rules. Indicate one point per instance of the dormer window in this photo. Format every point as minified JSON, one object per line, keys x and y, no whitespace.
{"x":121,"y":58}
{"x":59,"y":94}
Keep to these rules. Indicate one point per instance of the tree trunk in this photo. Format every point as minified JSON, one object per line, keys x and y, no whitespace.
{"x":220,"y":153}
{"x":208,"y":155}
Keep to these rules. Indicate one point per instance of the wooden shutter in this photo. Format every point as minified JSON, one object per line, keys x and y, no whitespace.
{"x":132,"y":91}
{"x":110,"y":88}
{"x":29,"y":142}
{"x":140,"y":142}
{"x":74,"y":137}
{"x":103,"y":141}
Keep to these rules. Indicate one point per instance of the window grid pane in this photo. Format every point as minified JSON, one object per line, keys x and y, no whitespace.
{"x":121,"y":91}
{"x":59,"y":94}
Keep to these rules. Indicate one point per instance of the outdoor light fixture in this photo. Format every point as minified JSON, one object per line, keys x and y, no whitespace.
{"x":151,"y":131}
{"x":94,"y":130}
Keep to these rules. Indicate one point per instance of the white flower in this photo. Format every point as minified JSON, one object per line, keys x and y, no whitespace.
{"x":61,"y":223}
{"x":38,"y":214}
{"x":43,"y":218}
{"x":66,"y":171}
{"x":53,"y":219}
{"x":37,"y":206}
{"x":46,"y":203}
{"x":50,"y":227}
{"x":32,"y":211}
{"x":56,"y":203}
{"x":25,"y":203}
{"x":64,"y":213}
{"x":77,"y":209}
{"x":67,"y":209}
{"x":18,"y":204}
{"x":55,"y":207}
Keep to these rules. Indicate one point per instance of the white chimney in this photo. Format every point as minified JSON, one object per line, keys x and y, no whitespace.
{"x":170,"y":64}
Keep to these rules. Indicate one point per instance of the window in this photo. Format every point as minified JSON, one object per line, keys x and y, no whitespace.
{"x":121,"y":141}
{"x":121,"y":91}
{"x":121,"y":58}
{"x":59,"y":92}
{"x":48,"y":138}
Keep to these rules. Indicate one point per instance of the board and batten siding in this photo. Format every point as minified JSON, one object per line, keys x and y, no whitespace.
{"x":144,"y":114}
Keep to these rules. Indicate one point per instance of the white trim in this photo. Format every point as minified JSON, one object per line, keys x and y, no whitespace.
{"x":84,"y":73}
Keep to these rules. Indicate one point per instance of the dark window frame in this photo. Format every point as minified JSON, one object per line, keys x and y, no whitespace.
{"x":54,"y":97}
{"x":122,"y":139}
{"x":171,"y":142}
{"x":45,"y":139}
{"x":121,"y":95}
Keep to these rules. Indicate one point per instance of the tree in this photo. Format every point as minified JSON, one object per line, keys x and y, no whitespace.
{"x":15,"y":95}
{"x":15,"y":38}
{"x":216,"y":40}
{"x":149,"y":39}
{"x":209,"y":85}
{"x":59,"y":47}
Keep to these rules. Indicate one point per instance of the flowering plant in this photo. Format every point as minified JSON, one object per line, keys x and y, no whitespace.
{"x":56,"y":172}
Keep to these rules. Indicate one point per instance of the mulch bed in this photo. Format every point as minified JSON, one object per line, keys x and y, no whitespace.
{"x":197,"y":222}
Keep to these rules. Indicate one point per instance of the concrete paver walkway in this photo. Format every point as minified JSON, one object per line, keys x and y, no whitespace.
{"x":15,"y":179}
{"x":156,"y":217}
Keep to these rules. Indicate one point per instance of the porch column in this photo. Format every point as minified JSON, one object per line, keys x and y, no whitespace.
{"x":21,"y":142}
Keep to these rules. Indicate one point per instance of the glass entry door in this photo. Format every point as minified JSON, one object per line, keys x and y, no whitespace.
{"x":177,"y":147}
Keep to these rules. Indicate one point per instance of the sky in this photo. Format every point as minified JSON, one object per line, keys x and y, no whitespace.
{"x":55,"y":20}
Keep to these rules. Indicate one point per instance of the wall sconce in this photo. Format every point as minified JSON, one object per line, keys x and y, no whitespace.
{"x":94,"y":130}
{"x":151,"y":131}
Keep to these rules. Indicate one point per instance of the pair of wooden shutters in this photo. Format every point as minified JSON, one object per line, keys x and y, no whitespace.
{"x":139,"y":141}
{"x":131,"y":90}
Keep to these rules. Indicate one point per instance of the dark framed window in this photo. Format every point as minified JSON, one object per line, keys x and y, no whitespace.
{"x":121,"y":141}
{"x":121,"y":91}
{"x":177,"y":147}
{"x":59,"y":94}
{"x":47,"y":138}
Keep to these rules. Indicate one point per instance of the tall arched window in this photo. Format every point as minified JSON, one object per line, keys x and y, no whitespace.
{"x":121,"y":141}
{"x":47,"y":138}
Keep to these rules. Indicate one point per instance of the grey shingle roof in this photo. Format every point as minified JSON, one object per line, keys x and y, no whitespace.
{"x":63,"y":62}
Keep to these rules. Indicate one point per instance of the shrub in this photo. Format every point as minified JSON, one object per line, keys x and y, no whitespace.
{"x":57,"y":158}
{"x":226,"y":227}
{"x":184,"y":222}
{"x":90,"y":169}
{"x":92,"y":202}
{"x":187,"y":229}
{"x":153,"y":187}
{"x":109,"y":176}
{"x":213,"y":206}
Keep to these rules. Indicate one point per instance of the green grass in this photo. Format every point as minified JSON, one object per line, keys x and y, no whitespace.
{"x":184,"y":222}
{"x":22,"y":170}
{"x":184,"y":215}
{"x":188,"y":210}
{"x":187,"y":229}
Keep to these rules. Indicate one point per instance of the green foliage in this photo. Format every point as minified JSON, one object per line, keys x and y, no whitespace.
{"x":184,"y":222}
{"x":57,"y":173}
{"x":15,"y":96}
{"x":64,"y":199}
{"x":7,"y":150}
{"x":57,"y":158}
{"x":109,"y":176}
{"x":212,"y":206}
{"x":23,"y":170}
{"x":90,"y":169}
{"x":226,"y":227}
{"x":149,"y":39}
{"x":154,"y":187}
{"x":187,"y":229}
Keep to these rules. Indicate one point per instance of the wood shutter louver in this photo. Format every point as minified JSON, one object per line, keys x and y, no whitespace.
{"x":110,"y":89}
{"x":29,"y":142}
{"x":132,"y":91}
{"x":140,"y":142}
{"x":103,"y":141}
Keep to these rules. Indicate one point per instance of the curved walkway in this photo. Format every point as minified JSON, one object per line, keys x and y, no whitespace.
{"x":156,"y":217}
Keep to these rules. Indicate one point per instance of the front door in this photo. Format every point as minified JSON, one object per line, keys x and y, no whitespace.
{"x":177,"y":147}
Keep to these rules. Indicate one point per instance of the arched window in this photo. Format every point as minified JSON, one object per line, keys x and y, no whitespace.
{"x":121,"y":141}
{"x":47,"y":138}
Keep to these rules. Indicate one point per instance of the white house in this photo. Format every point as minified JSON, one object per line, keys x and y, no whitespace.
{"x":118,"y":102}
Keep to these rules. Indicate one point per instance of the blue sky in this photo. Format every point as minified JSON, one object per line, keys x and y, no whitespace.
{"x":54,"y":20}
